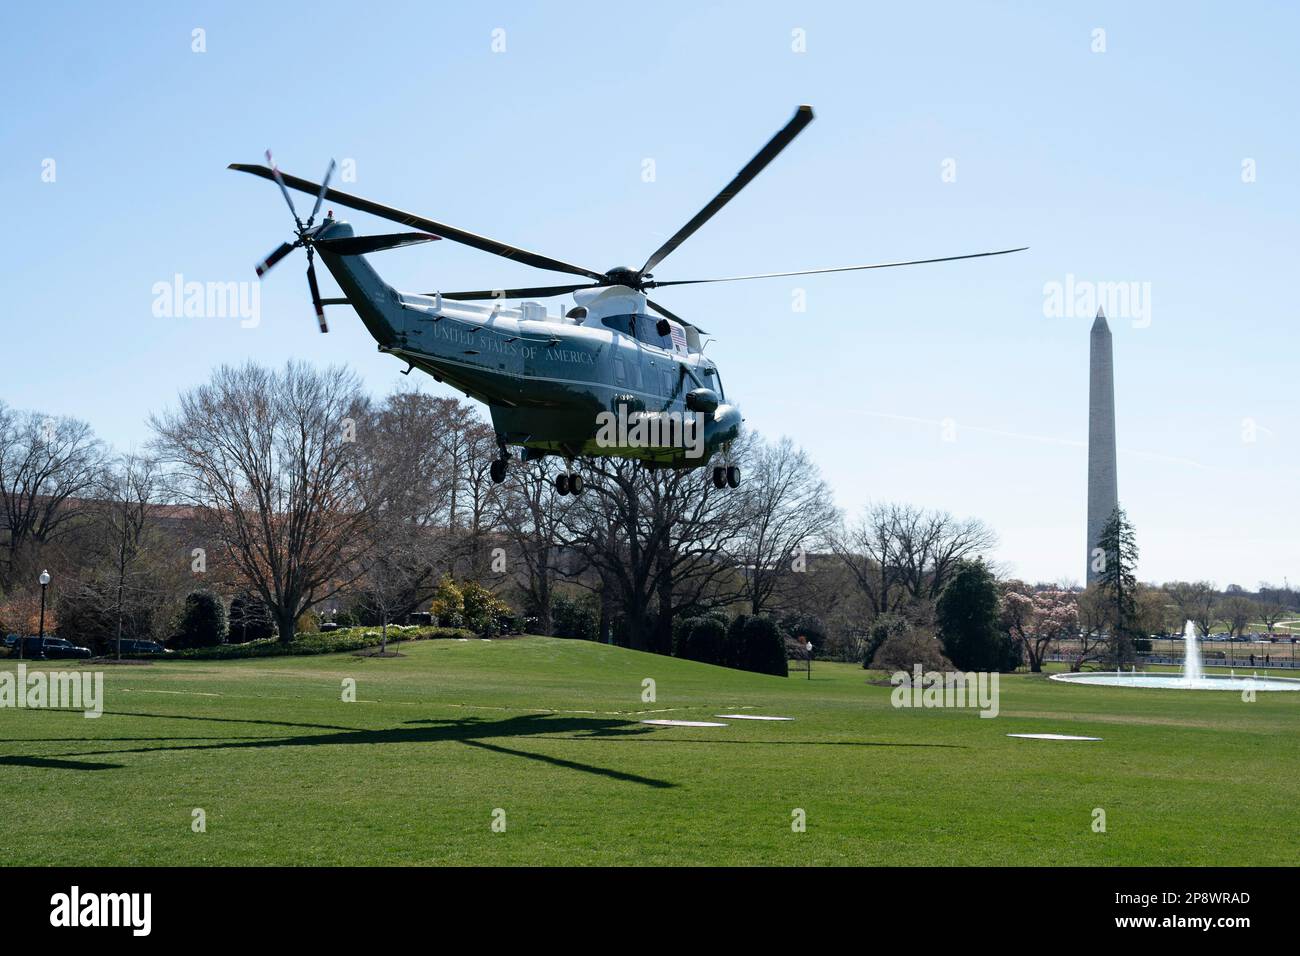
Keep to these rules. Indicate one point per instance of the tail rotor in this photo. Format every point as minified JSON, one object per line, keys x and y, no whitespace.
{"x":308,"y":235}
{"x":306,"y":232}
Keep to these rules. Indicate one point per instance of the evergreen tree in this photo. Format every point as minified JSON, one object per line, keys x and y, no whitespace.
{"x":202,"y":622}
{"x":967,"y":619}
{"x":1117,"y":583}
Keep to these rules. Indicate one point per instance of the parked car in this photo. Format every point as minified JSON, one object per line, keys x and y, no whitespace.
{"x":57,"y":647}
{"x":52,"y":648}
{"x":140,"y":648}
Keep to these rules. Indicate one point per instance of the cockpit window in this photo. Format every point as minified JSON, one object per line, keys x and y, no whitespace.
{"x":712,"y":377}
{"x":640,"y":327}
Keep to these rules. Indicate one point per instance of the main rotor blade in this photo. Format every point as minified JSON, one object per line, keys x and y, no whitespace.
{"x":360,"y":245}
{"x":279,"y":181}
{"x":315,"y":295}
{"x":809,"y":272}
{"x":537,"y":290}
{"x":428,"y":225}
{"x":802,"y":117}
{"x":320,"y":196}
{"x":269,"y":262}
{"x":676,"y":318}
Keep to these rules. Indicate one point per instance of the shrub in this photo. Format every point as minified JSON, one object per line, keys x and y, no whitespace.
{"x":570,"y":618}
{"x":202,"y":622}
{"x":902,"y":652}
{"x":756,"y":644}
{"x":733,"y":654}
{"x":882,"y":629}
{"x":702,"y":639}
{"x":765,"y":647}
{"x":448,"y":606}
{"x":484,"y":612}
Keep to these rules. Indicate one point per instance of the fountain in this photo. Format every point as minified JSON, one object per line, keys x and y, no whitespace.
{"x":1191,"y":678}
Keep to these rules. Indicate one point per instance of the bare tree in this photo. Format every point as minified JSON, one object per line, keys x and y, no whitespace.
{"x":788,"y":512}
{"x":1273,"y":605}
{"x":1096,"y":621}
{"x":658,"y":540}
{"x":49,"y":468}
{"x":413,"y":527}
{"x":479,"y":502}
{"x":129,"y":494}
{"x":868,"y":550}
{"x":530,"y":514}
{"x":900,"y":554}
{"x":1196,"y":601}
{"x":396,"y":576}
{"x":1153,"y":610}
{"x":1237,"y":612}
{"x":277,"y":467}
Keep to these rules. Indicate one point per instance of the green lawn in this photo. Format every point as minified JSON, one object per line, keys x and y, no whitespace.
{"x":549,"y":731}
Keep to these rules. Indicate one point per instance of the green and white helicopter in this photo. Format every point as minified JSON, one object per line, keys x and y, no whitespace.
{"x":604,"y":378}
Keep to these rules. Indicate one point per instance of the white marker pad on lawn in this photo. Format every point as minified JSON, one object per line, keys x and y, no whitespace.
{"x":683,"y":723}
{"x":1051,"y":737}
{"x":751,"y":717}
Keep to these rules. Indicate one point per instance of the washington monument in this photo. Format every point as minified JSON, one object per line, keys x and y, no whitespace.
{"x":1103,"y":486}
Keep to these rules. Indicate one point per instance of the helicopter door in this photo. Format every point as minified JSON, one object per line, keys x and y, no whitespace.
{"x":627,"y":380}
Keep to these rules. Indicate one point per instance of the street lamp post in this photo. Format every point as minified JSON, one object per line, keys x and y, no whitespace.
{"x":45,"y":582}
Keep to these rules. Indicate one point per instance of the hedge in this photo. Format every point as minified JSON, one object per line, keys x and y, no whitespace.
{"x":332,"y":642}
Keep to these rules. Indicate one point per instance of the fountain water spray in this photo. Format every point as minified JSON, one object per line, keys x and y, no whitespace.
{"x":1191,"y":654}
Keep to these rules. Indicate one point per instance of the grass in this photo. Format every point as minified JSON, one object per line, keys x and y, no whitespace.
{"x":549,"y":731}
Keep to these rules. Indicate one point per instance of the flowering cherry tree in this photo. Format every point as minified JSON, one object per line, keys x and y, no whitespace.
{"x":1037,"y":618}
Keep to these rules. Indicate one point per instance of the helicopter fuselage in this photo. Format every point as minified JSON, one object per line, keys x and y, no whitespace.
{"x":607,"y":379}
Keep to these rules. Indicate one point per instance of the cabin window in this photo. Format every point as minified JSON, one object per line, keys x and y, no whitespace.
{"x":620,"y":323}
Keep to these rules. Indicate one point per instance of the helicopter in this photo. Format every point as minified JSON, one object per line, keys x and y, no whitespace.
{"x":607,"y":377}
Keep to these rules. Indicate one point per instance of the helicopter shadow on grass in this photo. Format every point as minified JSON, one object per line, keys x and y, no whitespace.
{"x":475,"y":732}
{"x":55,"y":763}
{"x":478,"y":732}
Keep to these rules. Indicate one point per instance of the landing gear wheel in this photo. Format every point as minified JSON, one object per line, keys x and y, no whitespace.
{"x":498,"y":471}
{"x":719,"y":477}
{"x":562,"y":483}
{"x":733,"y":476}
{"x":575,"y":484}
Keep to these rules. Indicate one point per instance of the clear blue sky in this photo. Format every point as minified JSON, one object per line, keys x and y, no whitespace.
{"x":1124,"y":165}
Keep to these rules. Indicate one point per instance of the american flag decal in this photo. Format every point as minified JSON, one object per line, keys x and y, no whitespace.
{"x":679,"y":338}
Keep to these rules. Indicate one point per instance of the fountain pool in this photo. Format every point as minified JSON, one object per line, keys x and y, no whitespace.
{"x":1191,"y":678}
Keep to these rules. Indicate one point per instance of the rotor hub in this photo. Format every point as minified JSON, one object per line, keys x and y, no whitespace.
{"x":625,"y":275}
